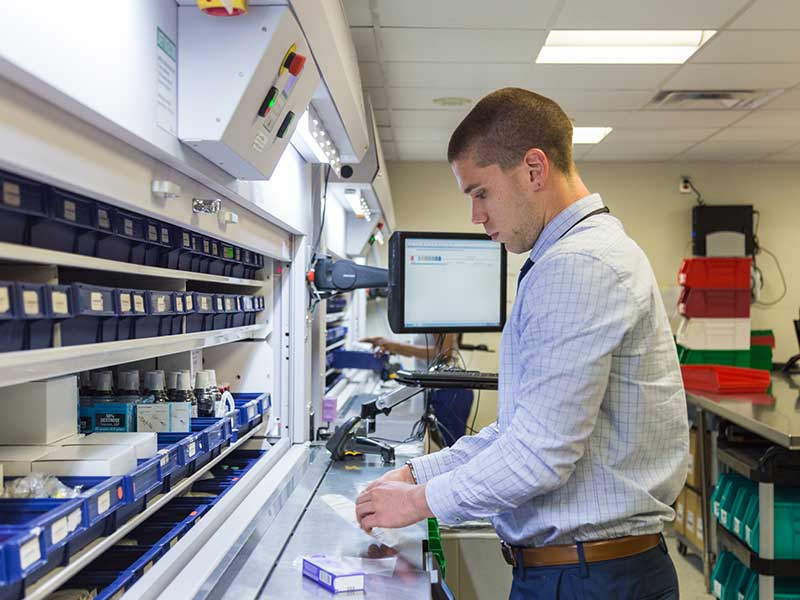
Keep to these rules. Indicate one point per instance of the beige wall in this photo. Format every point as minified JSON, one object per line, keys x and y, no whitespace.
{"x":645,"y":197}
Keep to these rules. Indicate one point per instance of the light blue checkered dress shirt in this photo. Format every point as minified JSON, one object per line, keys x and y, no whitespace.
{"x":591,"y":437}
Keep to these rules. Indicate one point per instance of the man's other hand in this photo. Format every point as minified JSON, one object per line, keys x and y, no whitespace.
{"x":401,"y":474}
{"x":391,"y":504}
{"x":381,"y":345}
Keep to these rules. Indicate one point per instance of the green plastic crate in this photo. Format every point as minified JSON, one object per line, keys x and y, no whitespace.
{"x":751,"y":521}
{"x":435,"y":544}
{"x":731,"y":358}
{"x":761,"y":357}
{"x":723,"y":569}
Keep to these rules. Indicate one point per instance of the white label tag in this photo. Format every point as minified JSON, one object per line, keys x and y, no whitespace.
{"x":152,"y":233}
{"x":59,"y":530}
{"x":96,"y":300}
{"x":747,"y":534}
{"x":161,"y":304}
{"x":147,"y":567}
{"x":164,"y":235}
{"x":173,"y":541}
{"x":164,"y":460}
{"x":723,"y":516}
{"x":125,"y":302}
{"x":128,"y":227}
{"x":215,"y":249}
{"x":220,"y":307}
{"x":103,"y":502}
{"x":206,"y":247}
{"x":737,"y":524}
{"x":191,"y":448}
{"x":716,"y":508}
{"x":11,"y":195}
{"x":717,"y":589}
{"x":187,"y":241}
{"x":189,"y":303}
{"x":30,"y":302}
{"x":138,"y":303}
{"x":5,"y":302}
{"x":74,"y":520}
{"x":204,"y":302}
{"x":30,"y":552}
{"x":229,"y":304}
{"x":69,"y":210}
{"x":102,"y":218}
{"x":60,"y":303}
{"x":689,"y":520}
{"x":699,"y":527}
{"x":179,"y":303}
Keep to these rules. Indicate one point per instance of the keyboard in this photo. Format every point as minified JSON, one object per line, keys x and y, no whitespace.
{"x":448,"y":379}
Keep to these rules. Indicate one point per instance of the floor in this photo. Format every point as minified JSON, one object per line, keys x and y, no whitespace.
{"x":690,"y":572}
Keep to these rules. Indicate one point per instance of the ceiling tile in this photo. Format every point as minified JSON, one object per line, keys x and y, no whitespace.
{"x":771,"y":118}
{"x":600,"y":77}
{"x":599,"y":118}
{"x":502,"y":14}
{"x":629,"y":156}
{"x":364,"y":41}
{"x":636,"y":136}
{"x":371,"y":75}
{"x":423,"y":134}
{"x":422,"y":98}
{"x":734,"y":76}
{"x":758,"y":134}
{"x":607,"y":147}
{"x":745,"y":47}
{"x":683,"y":118}
{"x":443,"y":119}
{"x":727,"y":150}
{"x":389,"y":150}
{"x":382,"y":118}
{"x":480,"y":75}
{"x":358,"y":13}
{"x":461,"y":45}
{"x":594,"y":100}
{"x":580,"y":150}
{"x":385,"y":134}
{"x":770,"y":14}
{"x":378,"y":97}
{"x":786,"y":101}
{"x":635,"y":14}
{"x":421,"y":151}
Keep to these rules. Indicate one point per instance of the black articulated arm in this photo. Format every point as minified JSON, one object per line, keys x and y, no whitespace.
{"x":343,"y":275}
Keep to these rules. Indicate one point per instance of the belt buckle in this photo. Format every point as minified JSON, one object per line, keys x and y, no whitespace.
{"x":508,"y":554}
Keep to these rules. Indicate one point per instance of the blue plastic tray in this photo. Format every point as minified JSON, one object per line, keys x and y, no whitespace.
{"x":59,"y":520}
{"x":21,"y":202}
{"x":94,"y":316}
{"x":21,"y":553}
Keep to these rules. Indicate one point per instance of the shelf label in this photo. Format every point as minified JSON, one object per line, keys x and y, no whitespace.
{"x":220,"y":307}
{"x":60,"y":303}
{"x":187,"y":240}
{"x":165,"y":235}
{"x":30,"y":302}
{"x":161,"y":304}
{"x":74,"y":520}
{"x":717,"y":589}
{"x":206,"y":246}
{"x":11,"y":195}
{"x":229,"y":304}
{"x":723,"y":516}
{"x":147,"y":567}
{"x":128,"y":227}
{"x":215,"y":248}
{"x":102,"y":219}
{"x":103,"y":502}
{"x":70,"y":214}
{"x":191,"y":448}
{"x":125,"y":302}
{"x":5,"y":302}
{"x":30,"y":552}
{"x":179,"y":303}
{"x":189,"y":303}
{"x":204,"y":302}
{"x":96,"y":300}
{"x":747,"y":533}
{"x":138,"y":303}
{"x":152,"y":233}
{"x":164,"y":460}
{"x":737,"y":526}
{"x":59,"y":530}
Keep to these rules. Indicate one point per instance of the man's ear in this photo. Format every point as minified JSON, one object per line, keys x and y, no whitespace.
{"x":537,"y":167}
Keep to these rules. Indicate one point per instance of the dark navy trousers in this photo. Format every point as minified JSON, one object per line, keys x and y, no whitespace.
{"x":649,"y":575}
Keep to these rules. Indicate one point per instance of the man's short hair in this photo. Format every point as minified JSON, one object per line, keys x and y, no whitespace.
{"x":507,"y":123}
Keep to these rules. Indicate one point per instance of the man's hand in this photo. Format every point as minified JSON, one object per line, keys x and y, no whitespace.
{"x":391,"y":504}
{"x":401,"y":474}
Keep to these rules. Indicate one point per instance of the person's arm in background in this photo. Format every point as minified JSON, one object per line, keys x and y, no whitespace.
{"x":448,"y":349}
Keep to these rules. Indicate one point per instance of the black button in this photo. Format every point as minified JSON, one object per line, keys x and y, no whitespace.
{"x":287,"y":120}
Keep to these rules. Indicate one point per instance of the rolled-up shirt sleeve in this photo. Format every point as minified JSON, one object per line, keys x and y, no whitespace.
{"x":429,"y":466}
{"x":576,"y":311}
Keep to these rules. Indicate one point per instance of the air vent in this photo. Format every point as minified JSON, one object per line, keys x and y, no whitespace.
{"x":711,"y":99}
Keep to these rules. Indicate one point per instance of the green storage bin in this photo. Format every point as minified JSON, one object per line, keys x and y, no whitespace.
{"x":787,"y":523}
{"x":723,"y":481}
{"x":751,"y":520}
{"x":730,"y":588}
{"x":740,"y":504}
{"x":748,"y":590}
{"x":732,"y":358}
{"x":729,"y":496}
{"x":761,"y":357}
{"x":722,"y":573}
{"x":435,"y":544}
{"x":786,"y":590}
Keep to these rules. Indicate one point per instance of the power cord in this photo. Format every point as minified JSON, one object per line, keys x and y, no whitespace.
{"x":757,"y":249}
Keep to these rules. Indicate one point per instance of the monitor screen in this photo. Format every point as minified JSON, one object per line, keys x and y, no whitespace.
{"x":446,"y":282}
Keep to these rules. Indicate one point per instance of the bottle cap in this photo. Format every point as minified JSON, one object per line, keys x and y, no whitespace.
{"x":172,"y":380}
{"x":212,"y":377}
{"x":103,"y":381}
{"x":201,"y":380}
{"x":184,"y":381}
{"x":154,"y":380}
{"x":129,"y":381}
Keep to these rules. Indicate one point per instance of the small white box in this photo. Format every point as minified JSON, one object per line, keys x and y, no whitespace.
{"x":50,"y":411}
{"x":144,"y":444}
{"x":714,"y":334}
{"x":16,"y":460}
{"x":180,"y":418}
{"x":87,"y":461}
{"x":152,"y":417}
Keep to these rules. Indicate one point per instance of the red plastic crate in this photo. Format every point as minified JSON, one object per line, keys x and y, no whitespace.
{"x":721,"y":304}
{"x":716,"y":378}
{"x":715,"y":273}
{"x":762,"y":340}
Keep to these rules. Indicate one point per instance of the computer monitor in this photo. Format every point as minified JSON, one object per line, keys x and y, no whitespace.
{"x":446,"y":283}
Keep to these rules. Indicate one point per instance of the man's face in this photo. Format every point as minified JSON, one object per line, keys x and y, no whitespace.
{"x":503,"y":202}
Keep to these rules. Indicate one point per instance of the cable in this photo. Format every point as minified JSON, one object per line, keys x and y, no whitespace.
{"x":700,"y":201}
{"x":475,"y":415}
{"x":324,"y":212}
{"x":780,"y":272}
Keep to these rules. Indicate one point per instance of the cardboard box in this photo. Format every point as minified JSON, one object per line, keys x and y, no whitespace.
{"x":49,"y":415}
{"x":87,"y":461}
{"x":17,"y":460}
{"x":145,"y":445}
{"x":169,"y":416}
{"x":693,"y":470}
{"x":680,"y":512}
{"x":693,"y":516}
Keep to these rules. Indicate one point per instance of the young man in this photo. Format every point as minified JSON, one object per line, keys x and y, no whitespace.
{"x":590,"y":445}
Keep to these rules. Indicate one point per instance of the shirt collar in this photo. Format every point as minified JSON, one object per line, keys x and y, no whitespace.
{"x":563,"y":221}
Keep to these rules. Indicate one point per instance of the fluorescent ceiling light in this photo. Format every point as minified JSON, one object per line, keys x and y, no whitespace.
{"x":315,"y":141}
{"x":622,"y":47}
{"x":354,"y":201}
{"x":589,"y":135}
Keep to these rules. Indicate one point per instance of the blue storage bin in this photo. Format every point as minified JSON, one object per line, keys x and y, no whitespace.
{"x":158,"y":238}
{"x":103,"y":495}
{"x":351,"y":359}
{"x":144,"y":479}
{"x":60,"y":520}
{"x":220,"y":320}
{"x":179,"y":306}
{"x":179,"y":253}
{"x":33,"y":309}
{"x":127,"y":242}
{"x":160,"y":310}
{"x":135,"y":560}
{"x":212,"y":429}
{"x":190,"y":445}
{"x":12,"y":328}
{"x":94,"y":317}
{"x":216,"y":265}
{"x":110,"y":584}
{"x":201,"y":250}
{"x":21,"y":554}
{"x":201,"y":317}
{"x":22,"y":202}
{"x":58,"y":301}
{"x":131,"y":307}
{"x":236,"y":266}
{"x":251,"y":407}
{"x":335,"y":334}
{"x":69,"y":226}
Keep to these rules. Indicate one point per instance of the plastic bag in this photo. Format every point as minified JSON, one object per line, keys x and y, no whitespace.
{"x":39,"y":485}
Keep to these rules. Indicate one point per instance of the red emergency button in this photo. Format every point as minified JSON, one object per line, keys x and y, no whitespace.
{"x":294,"y":63}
